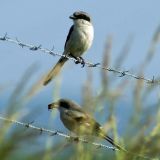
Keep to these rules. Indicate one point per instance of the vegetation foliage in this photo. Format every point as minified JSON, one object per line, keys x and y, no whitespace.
{"x":139,"y":134}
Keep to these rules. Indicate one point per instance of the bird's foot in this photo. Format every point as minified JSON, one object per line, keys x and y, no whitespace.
{"x":74,"y":139}
{"x":80,"y":60}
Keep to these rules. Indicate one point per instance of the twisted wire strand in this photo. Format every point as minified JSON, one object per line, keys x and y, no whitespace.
{"x":87,"y":63}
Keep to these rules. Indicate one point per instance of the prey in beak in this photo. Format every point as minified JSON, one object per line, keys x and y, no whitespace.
{"x":53,"y":105}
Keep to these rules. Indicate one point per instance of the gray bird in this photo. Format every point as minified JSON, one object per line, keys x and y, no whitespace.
{"x":78,"y":41}
{"x":78,"y":121}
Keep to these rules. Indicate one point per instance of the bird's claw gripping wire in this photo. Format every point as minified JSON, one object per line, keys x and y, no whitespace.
{"x":80,"y":60}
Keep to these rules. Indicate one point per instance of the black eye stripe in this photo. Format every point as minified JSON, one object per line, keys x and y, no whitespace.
{"x":82,"y":15}
{"x":64,"y":104}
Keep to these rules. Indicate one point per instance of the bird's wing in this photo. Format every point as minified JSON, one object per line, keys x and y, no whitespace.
{"x":69,"y":35}
{"x":76,"y":115}
{"x":83,"y":118}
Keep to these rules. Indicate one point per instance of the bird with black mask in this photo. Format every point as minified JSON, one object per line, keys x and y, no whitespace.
{"x":78,"y":41}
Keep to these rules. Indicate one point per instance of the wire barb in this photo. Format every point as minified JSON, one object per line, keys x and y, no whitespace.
{"x":153,"y":80}
{"x":20,"y":43}
{"x":85,"y":63}
{"x":94,"y":65}
{"x":123,"y":73}
{"x":41,"y":130}
{"x":4,"y":37}
{"x":54,"y":134}
{"x":28,"y":124}
{"x":35,"y":48}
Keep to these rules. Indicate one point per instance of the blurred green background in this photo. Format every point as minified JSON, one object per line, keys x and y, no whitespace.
{"x":127,"y":37}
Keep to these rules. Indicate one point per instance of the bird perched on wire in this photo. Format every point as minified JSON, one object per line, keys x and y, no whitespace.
{"x":78,"y":41}
{"x":78,"y":121}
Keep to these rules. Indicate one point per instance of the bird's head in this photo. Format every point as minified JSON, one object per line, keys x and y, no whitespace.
{"x":80,"y":15}
{"x":61,"y":104}
{"x":65,"y":104}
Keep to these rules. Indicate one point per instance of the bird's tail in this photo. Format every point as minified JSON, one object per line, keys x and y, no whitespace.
{"x":110,"y":140}
{"x":55,"y":70}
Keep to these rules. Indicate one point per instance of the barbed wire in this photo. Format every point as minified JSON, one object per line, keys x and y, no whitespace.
{"x":55,"y":132}
{"x":67,"y":136}
{"x":87,"y":63}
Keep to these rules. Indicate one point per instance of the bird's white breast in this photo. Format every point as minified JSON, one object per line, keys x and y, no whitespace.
{"x":81,"y":38}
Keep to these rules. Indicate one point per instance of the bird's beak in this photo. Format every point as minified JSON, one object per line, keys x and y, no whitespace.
{"x":53,"y":105}
{"x":72,"y":17}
